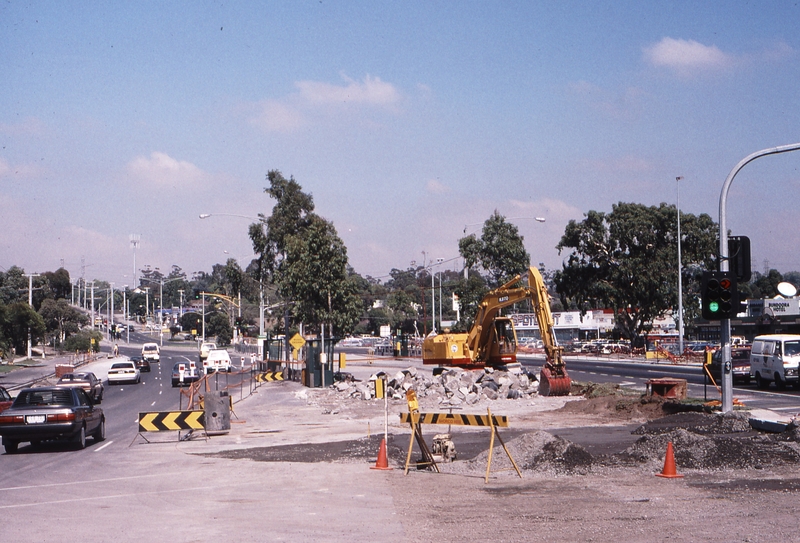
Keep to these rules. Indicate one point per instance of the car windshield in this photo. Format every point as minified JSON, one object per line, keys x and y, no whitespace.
{"x":150,"y":348}
{"x":31,"y":398}
{"x":791,"y":348}
{"x":122,"y":365}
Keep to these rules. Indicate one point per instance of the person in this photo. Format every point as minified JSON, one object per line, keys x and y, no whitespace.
{"x":116,"y":350}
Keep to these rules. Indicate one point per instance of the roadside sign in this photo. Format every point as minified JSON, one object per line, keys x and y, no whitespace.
{"x":386,"y":330}
{"x":297,"y":341}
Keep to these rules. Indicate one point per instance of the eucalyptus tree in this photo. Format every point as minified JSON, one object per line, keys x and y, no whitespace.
{"x":304,"y":256}
{"x":626,"y":260}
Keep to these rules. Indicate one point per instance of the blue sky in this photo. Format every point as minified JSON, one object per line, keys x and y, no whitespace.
{"x":407,"y":121}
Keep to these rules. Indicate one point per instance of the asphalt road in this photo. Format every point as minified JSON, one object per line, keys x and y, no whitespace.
{"x":636,"y":374}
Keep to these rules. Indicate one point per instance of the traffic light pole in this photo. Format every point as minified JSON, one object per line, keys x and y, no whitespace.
{"x":724,"y":266}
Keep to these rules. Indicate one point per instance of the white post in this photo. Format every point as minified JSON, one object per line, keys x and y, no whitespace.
{"x":680,"y":273}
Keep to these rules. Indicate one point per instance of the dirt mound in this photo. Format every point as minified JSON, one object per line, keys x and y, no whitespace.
{"x":698,"y":423}
{"x":713,"y":452}
{"x":539,"y":452}
{"x":622,"y":407}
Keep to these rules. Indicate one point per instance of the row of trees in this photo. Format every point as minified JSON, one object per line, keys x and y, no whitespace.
{"x":625,"y":260}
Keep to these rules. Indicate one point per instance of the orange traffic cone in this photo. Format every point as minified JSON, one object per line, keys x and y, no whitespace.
{"x":669,"y":465}
{"x":383,"y":461}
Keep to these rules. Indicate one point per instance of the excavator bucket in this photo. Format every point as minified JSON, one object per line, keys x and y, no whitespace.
{"x":553,"y":381}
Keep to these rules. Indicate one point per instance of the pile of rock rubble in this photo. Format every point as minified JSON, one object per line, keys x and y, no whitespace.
{"x":453,"y":386}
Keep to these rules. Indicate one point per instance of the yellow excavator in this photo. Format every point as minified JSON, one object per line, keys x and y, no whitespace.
{"x":492,"y":340}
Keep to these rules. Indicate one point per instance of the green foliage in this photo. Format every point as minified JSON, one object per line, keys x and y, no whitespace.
{"x":219,"y":325}
{"x":61,"y":319}
{"x":627,"y":260}
{"x":82,"y":341}
{"x":307,"y":259}
{"x":192,"y":321}
{"x":470,"y":292}
{"x":500,"y":250}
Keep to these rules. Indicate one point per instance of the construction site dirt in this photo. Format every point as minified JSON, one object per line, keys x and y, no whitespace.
{"x":588,"y":463}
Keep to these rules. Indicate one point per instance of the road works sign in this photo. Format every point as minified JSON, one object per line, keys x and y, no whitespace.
{"x":297,"y":341}
{"x":171,"y":421}
{"x":269,"y":376}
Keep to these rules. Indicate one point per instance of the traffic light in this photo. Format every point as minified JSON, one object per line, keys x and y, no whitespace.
{"x":719,"y":297}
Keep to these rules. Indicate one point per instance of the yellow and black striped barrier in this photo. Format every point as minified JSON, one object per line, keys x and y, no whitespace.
{"x":171,"y":421}
{"x":500,"y":421}
{"x":268,"y":376}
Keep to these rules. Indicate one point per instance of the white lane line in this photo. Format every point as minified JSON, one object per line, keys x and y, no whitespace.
{"x":103,"y":446}
{"x":785,"y":408}
{"x":84,"y":482}
{"x":152,"y":404}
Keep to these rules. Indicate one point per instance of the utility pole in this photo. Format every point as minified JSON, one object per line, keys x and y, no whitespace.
{"x":30,"y":303}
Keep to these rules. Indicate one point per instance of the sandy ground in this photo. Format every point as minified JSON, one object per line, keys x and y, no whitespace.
{"x":586,"y":476}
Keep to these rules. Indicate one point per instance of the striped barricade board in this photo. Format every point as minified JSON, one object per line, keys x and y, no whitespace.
{"x":500,"y":421}
{"x":171,"y":421}
{"x":268,"y":376}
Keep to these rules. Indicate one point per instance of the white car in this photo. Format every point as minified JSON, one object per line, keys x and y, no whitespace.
{"x":205,"y":348}
{"x":123,"y":372}
{"x":217,"y":360}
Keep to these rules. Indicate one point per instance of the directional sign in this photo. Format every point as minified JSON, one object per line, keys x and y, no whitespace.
{"x":269,"y":376}
{"x":456,"y":419}
{"x":171,"y":421}
{"x":297,"y":341}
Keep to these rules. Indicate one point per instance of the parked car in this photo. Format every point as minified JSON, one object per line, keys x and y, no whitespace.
{"x":184,"y":373}
{"x":217,"y":360}
{"x":5,"y":399}
{"x":142,"y":363}
{"x":740,"y":365}
{"x":51,"y":413}
{"x":123,"y":372}
{"x":87,"y":381}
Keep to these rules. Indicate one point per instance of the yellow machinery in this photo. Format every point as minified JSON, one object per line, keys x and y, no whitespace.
{"x":492,"y":340}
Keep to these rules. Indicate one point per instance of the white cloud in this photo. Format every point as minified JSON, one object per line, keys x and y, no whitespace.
{"x":319,"y":98}
{"x":370,"y":91}
{"x":161,"y":170}
{"x":685,"y":55}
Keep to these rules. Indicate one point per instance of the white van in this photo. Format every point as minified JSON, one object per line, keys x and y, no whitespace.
{"x":775,"y":357}
{"x":217,"y":360}
{"x":151,"y":352}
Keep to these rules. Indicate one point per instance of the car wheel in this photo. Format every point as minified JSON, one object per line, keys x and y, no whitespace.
{"x":80,"y":439}
{"x":100,"y":433}
{"x":11,"y":446}
{"x":780,"y":384}
{"x":761,"y":382}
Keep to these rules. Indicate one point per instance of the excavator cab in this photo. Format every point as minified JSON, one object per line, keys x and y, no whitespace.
{"x":503,"y":344}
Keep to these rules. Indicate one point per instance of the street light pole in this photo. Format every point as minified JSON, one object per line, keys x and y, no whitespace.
{"x":680,"y":268}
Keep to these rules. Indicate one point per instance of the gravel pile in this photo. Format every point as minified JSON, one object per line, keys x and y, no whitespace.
{"x":452,"y":387}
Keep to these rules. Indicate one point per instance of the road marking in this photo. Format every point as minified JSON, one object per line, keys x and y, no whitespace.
{"x":84,"y":482}
{"x":159,"y":393}
{"x":627,"y":383}
{"x":103,"y":446}
{"x":153,"y":403}
{"x":785,"y":408}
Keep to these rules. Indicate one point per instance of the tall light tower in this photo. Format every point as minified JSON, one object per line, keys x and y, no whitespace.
{"x":135,"y":240}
